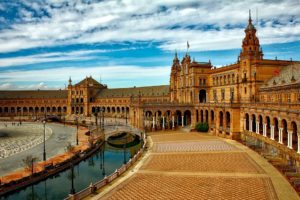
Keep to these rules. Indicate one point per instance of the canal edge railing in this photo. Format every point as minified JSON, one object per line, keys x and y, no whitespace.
{"x":108,"y":179}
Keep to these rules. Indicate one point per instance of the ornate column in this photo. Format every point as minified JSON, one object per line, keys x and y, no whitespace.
{"x":290,"y":139}
{"x":298,"y":137}
{"x":257,"y":127}
{"x":182,"y":121}
{"x":265,"y":130}
{"x":245,"y":124}
{"x":250,"y":125}
{"x":173,"y":122}
{"x":280,"y":135}
{"x":153,"y":122}
{"x":163,"y":125}
{"x":272,"y":132}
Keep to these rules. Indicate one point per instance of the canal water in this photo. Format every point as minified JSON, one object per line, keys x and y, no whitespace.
{"x":91,"y":170}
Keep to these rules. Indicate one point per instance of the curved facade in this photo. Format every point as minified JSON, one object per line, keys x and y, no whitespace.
{"x":254,"y":95}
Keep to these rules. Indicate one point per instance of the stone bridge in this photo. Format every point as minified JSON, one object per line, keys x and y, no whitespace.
{"x":120,"y":129}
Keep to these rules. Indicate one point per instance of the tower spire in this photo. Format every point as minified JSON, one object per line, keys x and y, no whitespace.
{"x":70,"y":81}
{"x":250,"y":46}
{"x":250,"y":20}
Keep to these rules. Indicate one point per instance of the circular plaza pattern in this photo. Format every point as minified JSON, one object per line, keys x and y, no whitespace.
{"x":15,"y":138}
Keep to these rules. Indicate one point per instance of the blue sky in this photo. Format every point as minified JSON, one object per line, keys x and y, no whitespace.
{"x":129,"y":43}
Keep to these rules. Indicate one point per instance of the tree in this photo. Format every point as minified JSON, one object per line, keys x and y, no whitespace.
{"x":29,"y":163}
{"x":69,"y":147}
{"x":202,"y":127}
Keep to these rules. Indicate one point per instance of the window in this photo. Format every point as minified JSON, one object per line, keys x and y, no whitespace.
{"x":245,"y":89}
{"x":231,"y":94}
{"x":223,"y":94}
{"x":215,"y":95}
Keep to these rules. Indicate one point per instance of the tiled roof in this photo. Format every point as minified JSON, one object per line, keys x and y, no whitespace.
{"x":27,"y":94}
{"x":287,"y":76}
{"x":89,"y":81}
{"x":161,"y":90}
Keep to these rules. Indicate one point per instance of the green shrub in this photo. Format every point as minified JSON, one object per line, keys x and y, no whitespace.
{"x":202,"y":127}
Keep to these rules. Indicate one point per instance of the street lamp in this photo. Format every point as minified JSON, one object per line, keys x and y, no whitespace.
{"x":44,"y":154}
{"x":124,"y":146}
{"x":126,"y":115}
{"x":76,"y":130}
{"x":19,"y":109}
{"x":101,"y":119}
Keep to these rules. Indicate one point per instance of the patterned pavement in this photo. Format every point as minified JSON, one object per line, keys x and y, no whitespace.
{"x":146,"y":187}
{"x":210,"y":145}
{"x":206,"y":162}
{"x":194,"y":166}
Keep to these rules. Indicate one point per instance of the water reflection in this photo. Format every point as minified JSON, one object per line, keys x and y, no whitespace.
{"x":78,"y":177}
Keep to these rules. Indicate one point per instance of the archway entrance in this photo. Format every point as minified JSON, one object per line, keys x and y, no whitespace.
{"x":178,"y":119}
{"x":187,"y":118}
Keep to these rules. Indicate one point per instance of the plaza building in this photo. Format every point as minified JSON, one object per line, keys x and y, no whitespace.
{"x":254,"y":95}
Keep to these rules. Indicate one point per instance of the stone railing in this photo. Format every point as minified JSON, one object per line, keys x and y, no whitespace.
{"x":108,"y":179}
{"x":284,"y":149}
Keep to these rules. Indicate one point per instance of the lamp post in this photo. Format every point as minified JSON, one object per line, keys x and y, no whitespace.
{"x":19,"y":109}
{"x":124,"y":148}
{"x":126,"y":115}
{"x":103,"y":119}
{"x":44,"y":154}
{"x":76,"y":130}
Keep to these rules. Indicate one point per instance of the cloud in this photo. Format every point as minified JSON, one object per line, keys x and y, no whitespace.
{"x":10,"y":86}
{"x":78,"y":55}
{"x":130,"y":75}
{"x":69,"y":22}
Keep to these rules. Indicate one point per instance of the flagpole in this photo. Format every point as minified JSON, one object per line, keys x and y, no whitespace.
{"x":187,"y":46}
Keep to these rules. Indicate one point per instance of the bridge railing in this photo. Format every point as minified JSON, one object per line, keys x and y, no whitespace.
{"x":108,"y":179}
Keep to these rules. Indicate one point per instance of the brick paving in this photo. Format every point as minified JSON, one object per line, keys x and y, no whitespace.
{"x":145,"y":186}
{"x":205,"y":162}
{"x":209,"y":145}
{"x":194,"y":166}
{"x":171,"y":136}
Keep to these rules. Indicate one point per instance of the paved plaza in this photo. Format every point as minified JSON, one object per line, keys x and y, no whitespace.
{"x":17,"y":138}
{"x":28,"y":140}
{"x":183,"y":165}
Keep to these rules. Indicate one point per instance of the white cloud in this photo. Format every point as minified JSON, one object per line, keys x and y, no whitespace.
{"x":10,"y":86}
{"x":114,"y":74}
{"x":55,"y":57}
{"x":105,"y":21}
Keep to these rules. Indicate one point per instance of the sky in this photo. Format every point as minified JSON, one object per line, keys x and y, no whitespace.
{"x":127,"y":43}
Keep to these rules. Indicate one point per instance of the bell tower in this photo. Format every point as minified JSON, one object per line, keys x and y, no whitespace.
{"x":250,"y":47}
{"x":173,"y":77}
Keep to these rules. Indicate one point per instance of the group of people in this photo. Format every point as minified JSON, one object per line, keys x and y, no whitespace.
{"x":13,"y":124}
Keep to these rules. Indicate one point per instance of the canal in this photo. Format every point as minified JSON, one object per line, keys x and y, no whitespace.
{"x":101,"y":164}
